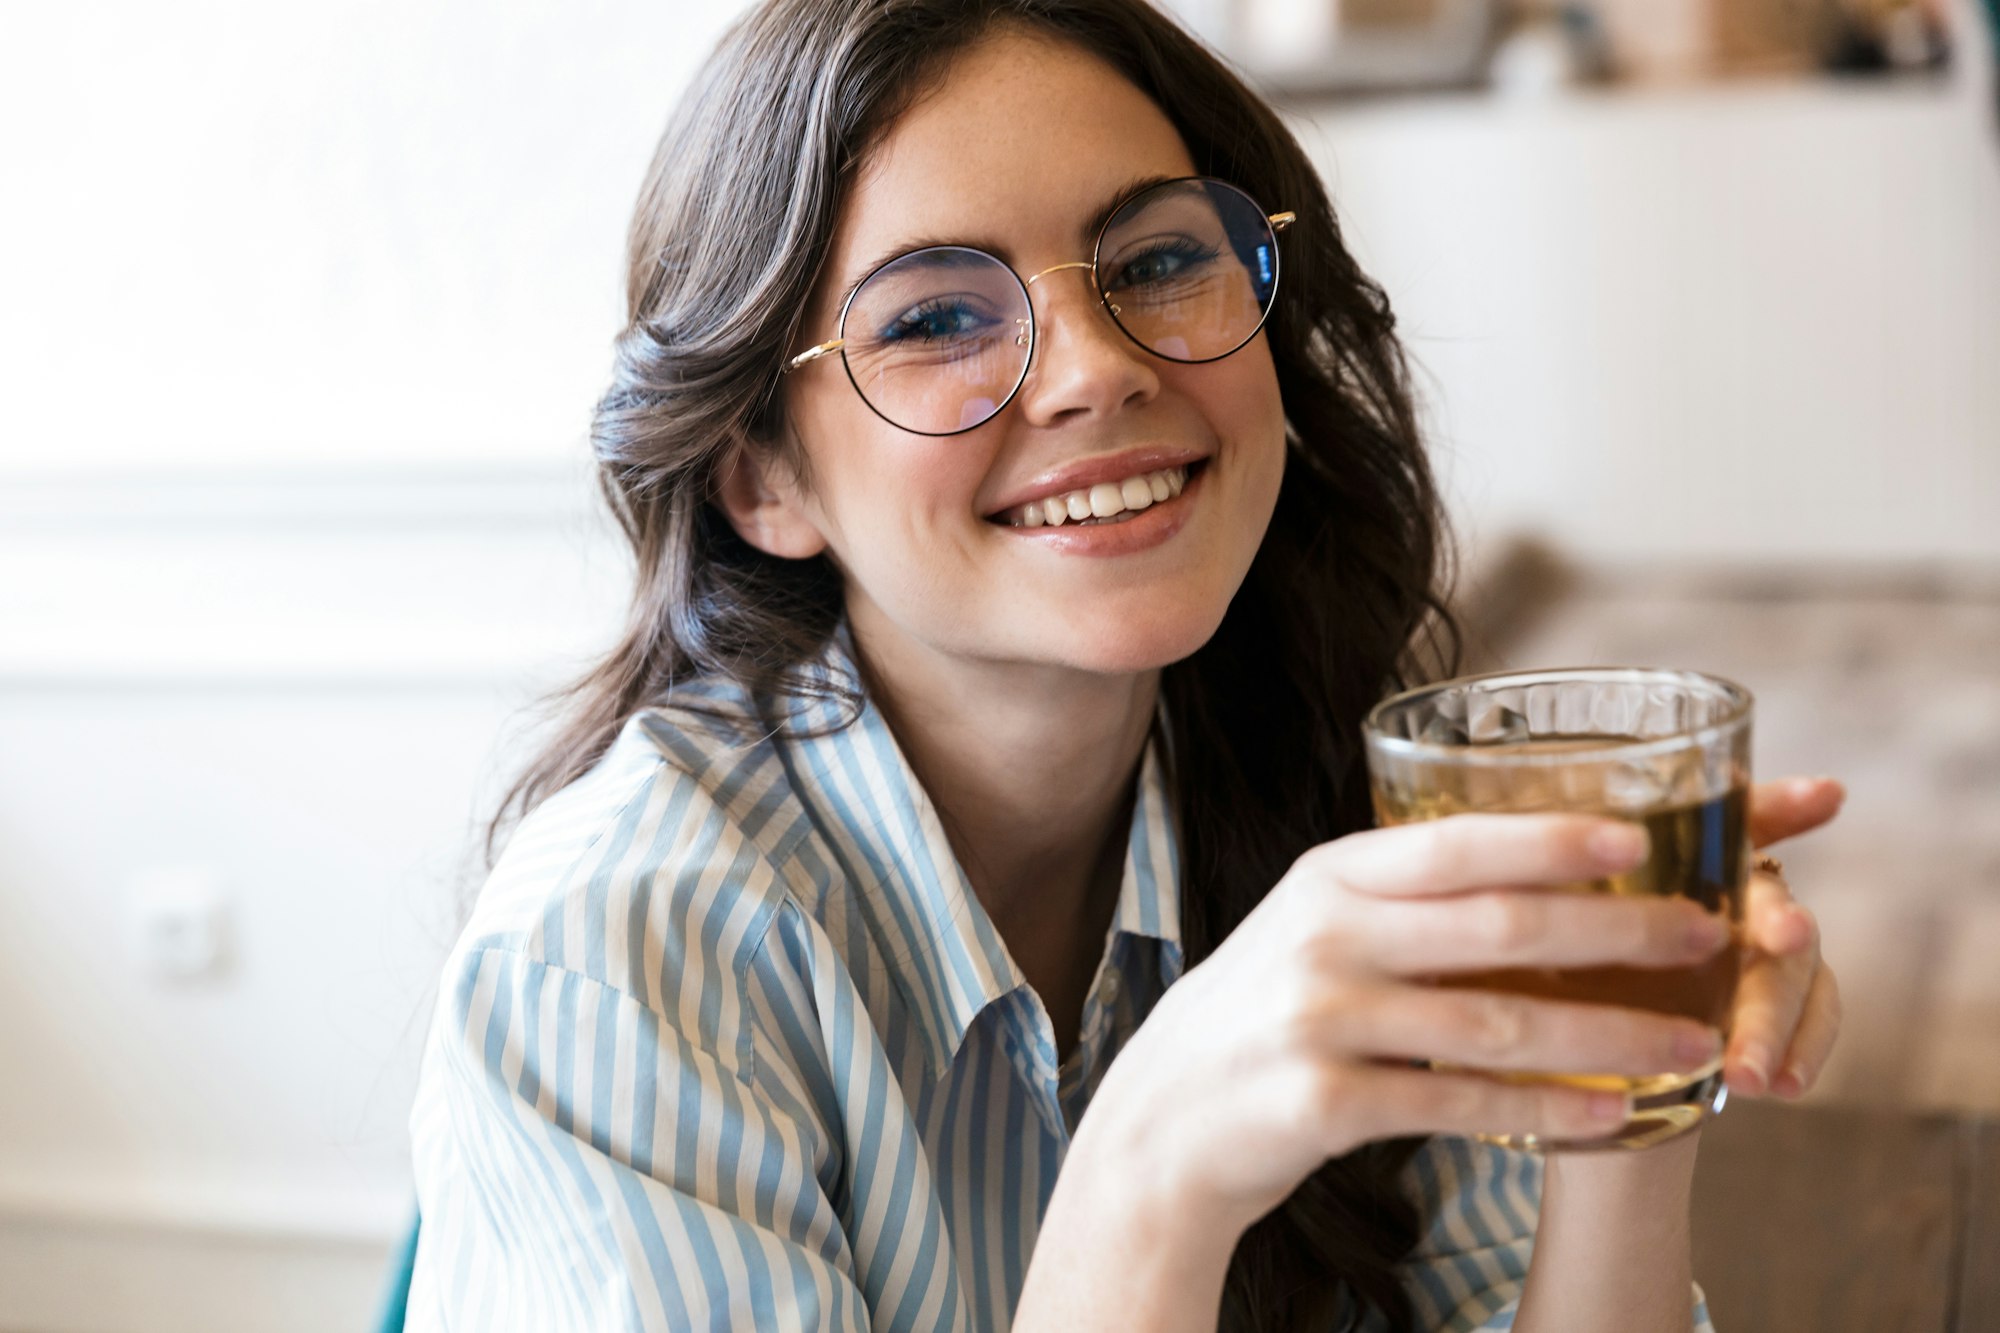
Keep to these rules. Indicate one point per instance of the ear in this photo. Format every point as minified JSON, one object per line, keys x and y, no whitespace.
{"x":761,"y":501}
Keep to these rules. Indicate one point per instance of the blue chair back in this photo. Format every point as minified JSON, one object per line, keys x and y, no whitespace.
{"x":396,"y":1295}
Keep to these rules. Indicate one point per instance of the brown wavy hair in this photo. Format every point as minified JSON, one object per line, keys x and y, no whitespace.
{"x":1343,"y":601}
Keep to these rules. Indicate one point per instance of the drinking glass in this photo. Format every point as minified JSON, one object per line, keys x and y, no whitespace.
{"x":1666,"y":749}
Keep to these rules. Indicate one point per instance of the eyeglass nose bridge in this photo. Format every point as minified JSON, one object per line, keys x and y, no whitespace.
{"x":1075,"y":263}
{"x":1057,"y":268}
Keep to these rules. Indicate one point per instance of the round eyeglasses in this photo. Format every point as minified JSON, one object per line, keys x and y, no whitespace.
{"x":938,"y":340}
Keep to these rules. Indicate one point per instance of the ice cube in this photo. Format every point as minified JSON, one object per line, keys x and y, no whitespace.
{"x":1442,"y":730}
{"x":1500,"y":725}
{"x":1701,"y":775}
{"x":1636,"y":786}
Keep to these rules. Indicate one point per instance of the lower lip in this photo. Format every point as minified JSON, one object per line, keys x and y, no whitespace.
{"x":1154,"y":525}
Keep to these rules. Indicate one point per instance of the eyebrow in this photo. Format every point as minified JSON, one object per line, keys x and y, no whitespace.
{"x":1088,"y":232}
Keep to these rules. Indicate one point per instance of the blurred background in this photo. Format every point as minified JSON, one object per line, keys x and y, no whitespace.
{"x":302,"y":312}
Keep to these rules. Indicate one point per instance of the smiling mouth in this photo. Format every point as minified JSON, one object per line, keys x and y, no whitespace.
{"x":1105,"y":503}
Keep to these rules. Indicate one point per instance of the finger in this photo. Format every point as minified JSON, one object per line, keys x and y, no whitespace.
{"x":1391,"y":1102}
{"x":1530,"y":928}
{"x":1813,"y":1042}
{"x":1487,"y":1030}
{"x":1474,"y":851}
{"x":1770,"y":998}
{"x":1787,"y":808}
{"x":1773,"y":921}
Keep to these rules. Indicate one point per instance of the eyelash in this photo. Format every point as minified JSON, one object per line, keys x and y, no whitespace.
{"x":910,"y":324}
{"x":1190,"y":251}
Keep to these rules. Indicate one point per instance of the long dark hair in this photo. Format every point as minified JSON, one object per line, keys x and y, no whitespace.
{"x":1343,"y":595}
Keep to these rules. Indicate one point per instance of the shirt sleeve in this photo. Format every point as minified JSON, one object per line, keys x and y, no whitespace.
{"x":610,"y":1174}
{"x":1480,"y":1204}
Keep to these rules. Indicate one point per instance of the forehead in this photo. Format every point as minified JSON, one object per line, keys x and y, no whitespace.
{"x":1021,"y":144}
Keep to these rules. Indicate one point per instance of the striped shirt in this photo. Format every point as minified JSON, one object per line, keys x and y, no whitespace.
{"x":729,"y":1043}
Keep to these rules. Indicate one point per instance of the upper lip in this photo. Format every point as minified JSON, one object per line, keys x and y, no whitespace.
{"x":1106,"y":467}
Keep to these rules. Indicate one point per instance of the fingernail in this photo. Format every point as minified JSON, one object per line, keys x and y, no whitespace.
{"x":1789,"y":1084}
{"x":1695,"y":1047}
{"x":1707,"y":933}
{"x":1619,"y":846}
{"x":1756,"y":1062}
{"x":1611,"y":1108}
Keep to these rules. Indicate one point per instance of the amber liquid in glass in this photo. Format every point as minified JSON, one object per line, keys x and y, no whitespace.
{"x":1699,"y":850}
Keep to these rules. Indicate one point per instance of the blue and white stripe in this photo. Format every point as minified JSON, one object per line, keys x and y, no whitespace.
{"x":730,"y":1043}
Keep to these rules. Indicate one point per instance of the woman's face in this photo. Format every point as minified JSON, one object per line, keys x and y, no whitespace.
{"x":1023,"y":146}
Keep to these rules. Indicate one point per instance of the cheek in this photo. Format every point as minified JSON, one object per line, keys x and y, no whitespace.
{"x":1256,"y":409}
{"x":879,"y":491}
{"x":1238,"y":397}
{"x":840,"y":439}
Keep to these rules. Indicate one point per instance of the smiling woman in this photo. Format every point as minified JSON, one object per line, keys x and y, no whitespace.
{"x":953,"y":904}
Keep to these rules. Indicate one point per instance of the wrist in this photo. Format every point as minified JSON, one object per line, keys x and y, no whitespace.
{"x":1662,"y":1175}
{"x":1115,"y":1251}
{"x":1613,"y":1241}
{"x":1123,"y":1184}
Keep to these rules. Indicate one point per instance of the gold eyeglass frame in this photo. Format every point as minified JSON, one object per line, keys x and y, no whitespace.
{"x":1026,"y":337}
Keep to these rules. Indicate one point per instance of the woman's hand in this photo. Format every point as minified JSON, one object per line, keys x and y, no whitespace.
{"x":1787,"y":1003}
{"x":1294,"y":1042}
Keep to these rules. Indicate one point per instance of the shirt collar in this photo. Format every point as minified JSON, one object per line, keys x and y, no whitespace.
{"x":945,"y":954}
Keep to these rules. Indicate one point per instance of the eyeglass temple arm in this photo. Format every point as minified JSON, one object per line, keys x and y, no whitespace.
{"x":814,"y":353}
{"x":1280,"y":221}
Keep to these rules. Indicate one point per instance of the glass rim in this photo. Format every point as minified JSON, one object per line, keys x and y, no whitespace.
{"x":1102,"y":297}
{"x":1739,"y":703}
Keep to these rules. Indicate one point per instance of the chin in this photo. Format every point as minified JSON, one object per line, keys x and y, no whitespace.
{"x":1133,"y":645}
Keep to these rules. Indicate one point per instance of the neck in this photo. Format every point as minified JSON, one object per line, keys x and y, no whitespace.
{"x":1031,"y":769}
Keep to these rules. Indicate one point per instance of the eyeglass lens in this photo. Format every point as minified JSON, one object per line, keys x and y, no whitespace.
{"x":939,"y":339}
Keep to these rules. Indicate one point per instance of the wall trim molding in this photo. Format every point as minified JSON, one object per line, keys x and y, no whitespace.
{"x":307,"y":579}
{"x":73,"y":1275}
{"x":346,"y":1216}
{"x":282,"y":497}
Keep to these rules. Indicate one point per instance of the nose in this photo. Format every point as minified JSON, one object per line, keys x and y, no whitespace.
{"x":1083,"y":364}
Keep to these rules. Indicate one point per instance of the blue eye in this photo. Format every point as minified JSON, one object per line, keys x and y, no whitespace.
{"x":1161,"y":263}
{"x":935,"y":321}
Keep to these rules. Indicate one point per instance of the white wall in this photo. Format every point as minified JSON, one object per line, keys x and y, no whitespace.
{"x":304,"y":312}
{"x":308,"y":690}
{"x":351,"y":232}
{"x":1749,"y":319}
{"x":1745,"y":321}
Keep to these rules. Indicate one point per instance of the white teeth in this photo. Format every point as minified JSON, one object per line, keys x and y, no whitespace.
{"x":1105,"y":500}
